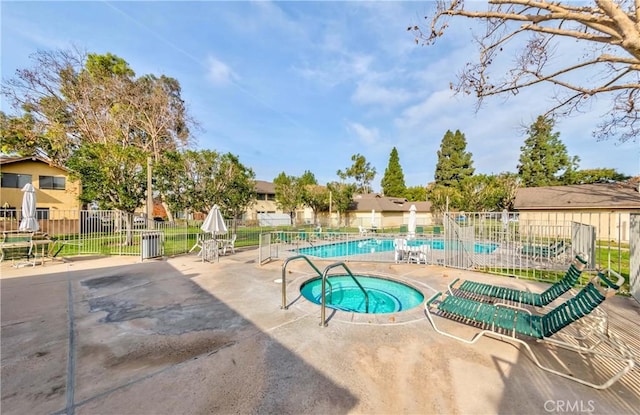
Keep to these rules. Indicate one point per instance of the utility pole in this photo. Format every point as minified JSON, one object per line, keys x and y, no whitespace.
{"x":330,"y":221}
{"x":150,"y":223}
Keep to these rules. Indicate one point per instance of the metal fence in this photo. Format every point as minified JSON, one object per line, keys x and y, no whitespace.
{"x":526,"y":246}
{"x":502,"y":243}
{"x":107,"y":232}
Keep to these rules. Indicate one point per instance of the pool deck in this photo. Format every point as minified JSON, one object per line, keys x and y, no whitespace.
{"x":178,"y":336}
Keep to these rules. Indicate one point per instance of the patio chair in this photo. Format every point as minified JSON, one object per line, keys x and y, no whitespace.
{"x":400,"y":249}
{"x":229,"y":244}
{"x":284,"y":237}
{"x":550,"y":251}
{"x":200,"y":239}
{"x":510,"y":323}
{"x":303,"y":235}
{"x":363,"y":231}
{"x":490,"y":292}
{"x":417,"y":254}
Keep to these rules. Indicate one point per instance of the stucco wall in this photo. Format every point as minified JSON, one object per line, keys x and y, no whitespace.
{"x":55,"y":200}
{"x":610,"y":224}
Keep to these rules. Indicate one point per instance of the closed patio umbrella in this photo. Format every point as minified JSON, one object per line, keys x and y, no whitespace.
{"x":411,"y":228}
{"x":29,"y":221}
{"x":214,"y":222}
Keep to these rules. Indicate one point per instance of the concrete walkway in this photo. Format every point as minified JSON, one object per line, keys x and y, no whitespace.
{"x":178,"y":336}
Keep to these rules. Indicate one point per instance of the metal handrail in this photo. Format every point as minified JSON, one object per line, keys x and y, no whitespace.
{"x":284,"y":277}
{"x":324,"y":279}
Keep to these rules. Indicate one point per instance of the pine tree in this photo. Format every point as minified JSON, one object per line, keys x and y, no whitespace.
{"x":393,"y":181}
{"x":454,"y":162}
{"x":543,"y":159}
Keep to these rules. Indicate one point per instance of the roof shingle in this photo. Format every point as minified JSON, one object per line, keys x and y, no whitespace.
{"x":583,"y":196}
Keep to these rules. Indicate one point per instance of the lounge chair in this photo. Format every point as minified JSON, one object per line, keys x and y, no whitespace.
{"x":363,"y":231}
{"x":303,"y":235}
{"x":524,"y":297}
{"x":283,"y":237}
{"x":509,"y":323}
{"x":550,"y":251}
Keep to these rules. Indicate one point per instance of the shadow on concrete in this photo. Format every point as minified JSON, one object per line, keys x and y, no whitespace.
{"x":145,"y":338}
{"x":554,"y":394}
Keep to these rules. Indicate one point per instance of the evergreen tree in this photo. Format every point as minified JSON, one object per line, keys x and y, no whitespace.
{"x":454,"y":162}
{"x":601,"y":175}
{"x":393,"y":181}
{"x":543,"y":159}
{"x":415,"y":193}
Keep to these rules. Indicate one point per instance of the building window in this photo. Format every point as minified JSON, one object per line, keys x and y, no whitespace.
{"x":271,"y":196}
{"x":42,"y":213}
{"x":15,"y":181}
{"x":52,"y":182}
{"x":8,"y":212}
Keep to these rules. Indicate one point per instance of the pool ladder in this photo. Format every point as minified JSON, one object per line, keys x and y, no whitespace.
{"x":323,"y":321}
{"x":325,"y":280}
{"x":284,"y":277}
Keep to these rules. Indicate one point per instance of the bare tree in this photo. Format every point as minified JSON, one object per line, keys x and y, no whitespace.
{"x":607,"y":30}
{"x":74,"y":98}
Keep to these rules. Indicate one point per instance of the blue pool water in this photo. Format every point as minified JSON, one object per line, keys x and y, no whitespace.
{"x":370,"y":246}
{"x":385,"y":296}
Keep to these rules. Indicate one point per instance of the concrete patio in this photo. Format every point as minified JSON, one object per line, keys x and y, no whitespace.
{"x":178,"y":336}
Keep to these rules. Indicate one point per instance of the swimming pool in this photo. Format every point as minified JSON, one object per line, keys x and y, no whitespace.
{"x":385,"y":295}
{"x":370,"y":246}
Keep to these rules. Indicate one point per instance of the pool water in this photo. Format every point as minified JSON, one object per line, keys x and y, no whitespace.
{"x":385,"y":296}
{"x":370,"y":246}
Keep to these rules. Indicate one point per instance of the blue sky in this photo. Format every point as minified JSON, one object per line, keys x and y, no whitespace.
{"x":295,"y":86}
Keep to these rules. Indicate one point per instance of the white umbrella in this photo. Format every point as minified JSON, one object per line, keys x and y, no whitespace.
{"x":412,"y":221}
{"x":373,"y":218}
{"x":29,"y":221}
{"x":214,"y":222}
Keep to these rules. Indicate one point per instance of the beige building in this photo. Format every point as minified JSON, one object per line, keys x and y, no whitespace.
{"x":382,"y":212}
{"x":56,"y":192}
{"x":386,"y":211}
{"x":605,"y":206}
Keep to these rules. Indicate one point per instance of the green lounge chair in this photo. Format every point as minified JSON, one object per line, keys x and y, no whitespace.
{"x":284,"y":237}
{"x":510,"y":323}
{"x":550,"y":251}
{"x":525,"y":297}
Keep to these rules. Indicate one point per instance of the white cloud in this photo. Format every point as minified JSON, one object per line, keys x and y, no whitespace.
{"x":335,"y":69}
{"x":368,"y":136}
{"x":371,"y":93}
{"x":219,"y":73}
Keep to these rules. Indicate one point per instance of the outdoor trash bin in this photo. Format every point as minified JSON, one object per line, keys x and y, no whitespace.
{"x":151,"y":244}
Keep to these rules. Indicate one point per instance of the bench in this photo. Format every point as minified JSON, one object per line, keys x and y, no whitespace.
{"x":22,"y":244}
